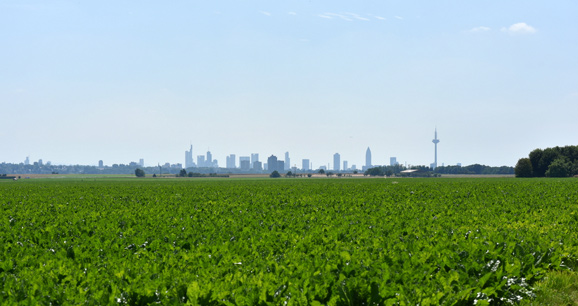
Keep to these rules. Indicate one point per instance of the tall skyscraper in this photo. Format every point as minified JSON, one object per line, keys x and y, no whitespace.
{"x":305,"y":165}
{"x":231,"y":162}
{"x":287,"y":164}
{"x":141,"y":162}
{"x":272,"y":163}
{"x":435,"y":141}
{"x":189,"y":158}
{"x":100,"y":163}
{"x":27,"y":160}
{"x":345,"y":166}
{"x":200,"y":161}
{"x":245,"y":162}
{"x":209,"y":159}
{"x":254,"y":158}
{"x":280,"y":166}
{"x":368,"y":158}
{"x":393,"y":161}
{"x":336,"y":162}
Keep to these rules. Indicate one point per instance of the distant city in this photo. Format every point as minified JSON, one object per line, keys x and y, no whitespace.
{"x":205,"y":163}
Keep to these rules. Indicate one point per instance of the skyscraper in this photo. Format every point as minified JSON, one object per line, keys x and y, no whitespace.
{"x":280,"y":165}
{"x":345,"y":166}
{"x":287,"y":165}
{"x":305,"y":165}
{"x":272,"y":163}
{"x":189,"y":158}
{"x":209,"y":159}
{"x":393,"y":161}
{"x":254,"y":158}
{"x":245,"y":162}
{"x":200,"y":161}
{"x":368,"y":158}
{"x":336,"y":162}
{"x":435,"y":141}
{"x":231,"y":162}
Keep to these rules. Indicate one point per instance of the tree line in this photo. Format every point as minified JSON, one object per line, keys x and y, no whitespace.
{"x":427,"y":171}
{"x":549,"y":162}
{"x":474,"y":169}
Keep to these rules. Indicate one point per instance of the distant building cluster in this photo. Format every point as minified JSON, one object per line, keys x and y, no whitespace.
{"x":252,"y":164}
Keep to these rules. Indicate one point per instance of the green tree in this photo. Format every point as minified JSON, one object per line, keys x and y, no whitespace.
{"x":183,"y":173}
{"x":560,"y":167}
{"x":321,"y":171}
{"x":535,"y":157}
{"x":549,"y":155}
{"x":139,"y":172}
{"x":574,"y":168}
{"x":524,"y":168}
{"x":275,"y":174}
{"x":376,"y":171}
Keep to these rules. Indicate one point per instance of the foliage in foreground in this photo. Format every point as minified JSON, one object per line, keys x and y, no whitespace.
{"x":244,"y":242}
{"x":557,"y":288}
{"x":550,"y":162}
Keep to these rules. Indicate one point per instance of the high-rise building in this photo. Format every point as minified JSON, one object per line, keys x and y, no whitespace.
{"x":200,"y":161}
{"x":209,"y":159}
{"x":287,"y":164}
{"x":305,"y":165}
{"x":280,"y":166}
{"x":231,"y":162}
{"x":272,"y":163}
{"x":345,"y":168}
{"x":245,"y":162}
{"x":189,"y":158}
{"x":27,"y":160}
{"x":393,"y":161}
{"x":257,"y":166}
{"x":141,"y":162}
{"x":368,"y":158}
{"x":336,"y":162}
{"x":254,"y":158}
{"x":435,"y":141}
{"x":100,"y":163}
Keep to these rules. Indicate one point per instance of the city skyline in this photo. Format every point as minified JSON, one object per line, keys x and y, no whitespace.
{"x":252,"y":162}
{"x":207,"y":161}
{"x":113,"y":81}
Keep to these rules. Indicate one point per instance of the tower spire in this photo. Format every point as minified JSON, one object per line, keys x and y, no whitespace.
{"x":435,"y":141}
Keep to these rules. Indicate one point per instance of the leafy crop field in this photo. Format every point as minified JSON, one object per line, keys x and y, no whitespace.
{"x":287,"y":241}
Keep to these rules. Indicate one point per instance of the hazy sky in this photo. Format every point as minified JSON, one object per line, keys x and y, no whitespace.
{"x":122,"y":80}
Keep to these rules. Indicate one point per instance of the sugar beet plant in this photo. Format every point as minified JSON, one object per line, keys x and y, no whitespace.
{"x":272,"y":242}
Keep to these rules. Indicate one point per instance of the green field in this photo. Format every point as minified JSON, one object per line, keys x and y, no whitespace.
{"x":285,"y":241}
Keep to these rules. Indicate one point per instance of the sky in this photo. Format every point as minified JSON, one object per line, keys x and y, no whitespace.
{"x":82,"y":81}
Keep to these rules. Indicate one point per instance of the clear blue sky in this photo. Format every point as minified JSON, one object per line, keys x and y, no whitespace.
{"x":82,"y":81}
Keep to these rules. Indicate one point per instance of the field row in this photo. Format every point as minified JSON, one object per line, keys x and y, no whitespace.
{"x":251,"y":242}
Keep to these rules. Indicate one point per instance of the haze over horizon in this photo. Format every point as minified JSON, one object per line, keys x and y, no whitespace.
{"x":119,"y":81}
